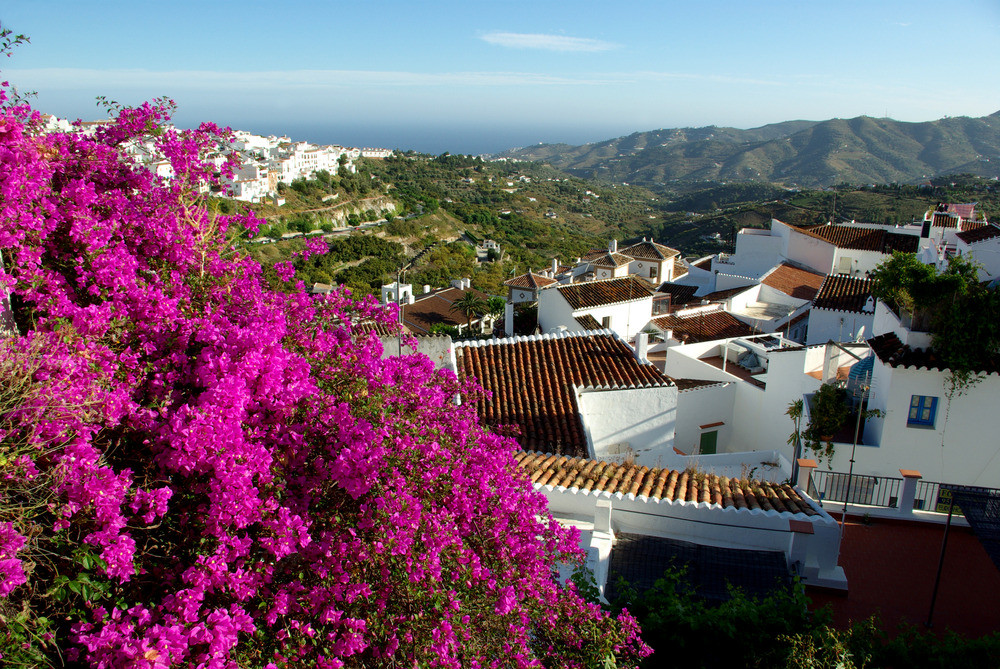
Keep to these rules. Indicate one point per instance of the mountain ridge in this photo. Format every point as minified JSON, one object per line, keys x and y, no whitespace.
{"x":862,"y":149}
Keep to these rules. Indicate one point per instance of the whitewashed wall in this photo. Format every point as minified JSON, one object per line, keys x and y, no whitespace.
{"x":521,"y":295}
{"x":757,"y":251}
{"x":827,"y":324}
{"x":710,"y":524}
{"x":704,"y":406}
{"x":627,"y":318}
{"x":986,"y":254}
{"x":962,"y":446}
{"x":862,"y":262}
{"x":553,"y":311}
{"x":644,"y":418}
{"x":816,"y":254}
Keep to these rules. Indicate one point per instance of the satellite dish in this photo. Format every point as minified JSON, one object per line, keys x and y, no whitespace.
{"x":860,"y":337}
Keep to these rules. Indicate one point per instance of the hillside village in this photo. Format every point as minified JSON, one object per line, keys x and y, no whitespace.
{"x":652,"y":385}
{"x":264,"y":162}
{"x":651,"y":393}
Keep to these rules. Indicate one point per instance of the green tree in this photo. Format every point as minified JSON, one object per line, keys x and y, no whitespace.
{"x":953,"y":305}
{"x":471,"y":305}
{"x":495,"y":306}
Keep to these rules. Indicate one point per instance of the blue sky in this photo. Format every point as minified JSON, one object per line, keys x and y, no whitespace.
{"x":478,"y":76}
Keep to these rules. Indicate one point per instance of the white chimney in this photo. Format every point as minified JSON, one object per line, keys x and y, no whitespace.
{"x":641,"y":347}
{"x":555,"y":267}
{"x":613,"y":246}
{"x":457,"y":283}
{"x":427,"y":288}
{"x":508,"y":319}
{"x":467,"y":283}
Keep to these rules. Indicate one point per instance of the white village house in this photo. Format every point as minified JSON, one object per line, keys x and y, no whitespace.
{"x":624,"y":305}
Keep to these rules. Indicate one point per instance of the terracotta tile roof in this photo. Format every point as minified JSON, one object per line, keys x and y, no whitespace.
{"x":942,"y":219}
{"x":723,"y":295}
{"x":703,"y":326}
{"x":893,"y":352}
{"x":794,"y":281}
{"x":650,"y":251}
{"x":611,"y":260}
{"x":979,"y":234}
{"x":895,"y":241}
{"x":531,"y":380}
{"x":680,"y":269}
{"x":599,"y":293}
{"x":529,"y":281}
{"x":680,"y":295}
{"x":592,"y":254}
{"x":864,"y":239}
{"x":588,"y":322}
{"x":661,"y":484}
{"x":843,"y":293}
{"x":966,"y":210}
{"x":436,"y":308}
{"x":705,"y":263}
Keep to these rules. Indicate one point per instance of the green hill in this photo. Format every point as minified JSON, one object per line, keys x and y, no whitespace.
{"x":794,"y":153}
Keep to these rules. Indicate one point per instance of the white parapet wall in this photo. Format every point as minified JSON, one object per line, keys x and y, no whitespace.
{"x":810,"y":543}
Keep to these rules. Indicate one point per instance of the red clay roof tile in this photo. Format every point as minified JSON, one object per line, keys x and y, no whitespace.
{"x":703,"y":326}
{"x":611,"y":260}
{"x":427,"y":311}
{"x":843,"y":293}
{"x":979,"y":234}
{"x":793,"y":281}
{"x":531,"y":380}
{"x":529,"y":281}
{"x":661,"y":484}
{"x":650,"y":251}
{"x":864,"y":239}
{"x":893,"y":352}
{"x":599,"y":293}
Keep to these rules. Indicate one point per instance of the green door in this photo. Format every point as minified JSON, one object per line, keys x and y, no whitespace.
{"x":709,"y":441}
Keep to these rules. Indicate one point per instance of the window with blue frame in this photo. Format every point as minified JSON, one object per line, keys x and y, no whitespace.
{"x":922,"y":411}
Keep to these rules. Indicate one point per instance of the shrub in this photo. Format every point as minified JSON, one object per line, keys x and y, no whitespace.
{"x":202,"y":471}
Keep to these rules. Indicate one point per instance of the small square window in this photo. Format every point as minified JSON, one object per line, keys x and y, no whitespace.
{"x":606,"y":322}
{"x":922,"y":410}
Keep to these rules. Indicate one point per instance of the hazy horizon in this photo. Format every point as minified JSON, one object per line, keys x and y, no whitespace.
{"x":484,"y":77}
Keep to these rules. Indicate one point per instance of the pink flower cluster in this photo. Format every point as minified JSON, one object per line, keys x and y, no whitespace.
{"x":260,"y":485}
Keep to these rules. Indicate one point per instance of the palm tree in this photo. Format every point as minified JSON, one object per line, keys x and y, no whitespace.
{"x":471,"y":305}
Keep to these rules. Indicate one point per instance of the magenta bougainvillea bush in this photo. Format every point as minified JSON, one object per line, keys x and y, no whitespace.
{"x":196,"y":470}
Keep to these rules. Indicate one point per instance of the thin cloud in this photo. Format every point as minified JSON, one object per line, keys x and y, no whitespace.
{"x":74,"y":78}
{"x":685,"y":76}
{"x":546,"y":42}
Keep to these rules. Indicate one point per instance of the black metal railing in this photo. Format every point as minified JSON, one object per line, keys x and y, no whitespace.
{"x":883,"y":491}
{"x":830,"y":486}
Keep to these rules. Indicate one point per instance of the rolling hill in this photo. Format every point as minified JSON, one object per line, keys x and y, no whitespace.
{"x":793,"y":153}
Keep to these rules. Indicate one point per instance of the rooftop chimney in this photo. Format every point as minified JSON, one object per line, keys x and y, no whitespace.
{"x":613,"y":246}
{"x":555,"y":267}
{"x":641,"y":347}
